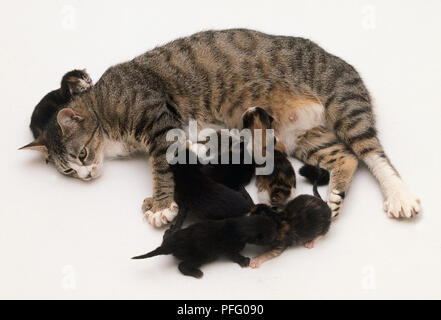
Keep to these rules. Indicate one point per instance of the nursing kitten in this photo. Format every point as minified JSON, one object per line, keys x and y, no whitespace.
{"x":204,"y":242}
{"x":233,"y":175}
{"x":302,"y":222}
{"x":213,"y":77}
{"x":278,"y":187}
{"x":197,"y":195}
{"x":72,"y":83}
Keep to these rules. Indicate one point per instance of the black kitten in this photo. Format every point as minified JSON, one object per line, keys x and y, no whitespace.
{"x":206,"y":241}
{"x":72,"y":83}
{"x":234,"y":176}
{"x":199,"y":195}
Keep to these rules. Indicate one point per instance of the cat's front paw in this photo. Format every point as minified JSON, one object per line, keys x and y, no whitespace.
{"x":402,"y":204}
{"x":159,"y":213}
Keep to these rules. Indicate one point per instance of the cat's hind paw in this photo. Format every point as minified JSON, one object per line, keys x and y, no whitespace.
{"x":335,"y":200}
{"x":402,"y":204}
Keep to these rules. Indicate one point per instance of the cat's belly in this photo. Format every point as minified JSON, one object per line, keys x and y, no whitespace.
{"x":296,"y":121}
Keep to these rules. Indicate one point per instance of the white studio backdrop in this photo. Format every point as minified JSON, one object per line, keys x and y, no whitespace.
{"x":62,"y":238}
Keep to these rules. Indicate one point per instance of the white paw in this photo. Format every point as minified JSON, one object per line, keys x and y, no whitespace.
{"x":162,"y":217}
{"x":335,"y":201}
{"x":401,"y":204}
{"x":309,"y":245}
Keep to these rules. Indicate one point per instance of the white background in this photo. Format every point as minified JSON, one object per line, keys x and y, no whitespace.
{"x":63,"y":238}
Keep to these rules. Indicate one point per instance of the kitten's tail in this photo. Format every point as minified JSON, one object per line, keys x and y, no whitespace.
{"x":158,"y":251}
{"x":315,"y":175}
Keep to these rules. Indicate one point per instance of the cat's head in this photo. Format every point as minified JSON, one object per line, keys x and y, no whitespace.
{"x":74,"y":143}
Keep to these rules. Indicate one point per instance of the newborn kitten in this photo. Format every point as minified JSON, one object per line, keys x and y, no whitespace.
{"x":278,"y":187}
{"x":303,"y":221}
{"x":234,"y":176}
{"x":72,"y":83}
{"x":206,"y":241}
{"x":197,"y":194}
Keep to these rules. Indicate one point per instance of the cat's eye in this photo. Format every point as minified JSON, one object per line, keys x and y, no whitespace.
{"x":68,"y":171}
{"x":83,"y":154}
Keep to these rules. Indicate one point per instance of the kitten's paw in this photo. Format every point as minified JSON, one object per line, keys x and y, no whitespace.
{"x":254,"y":263}
{"x":245,"y":262}
{"x":402,"y":204}
{"x":309,"y":244}
{"x":156,"y":214}
{"x":335,"y":200}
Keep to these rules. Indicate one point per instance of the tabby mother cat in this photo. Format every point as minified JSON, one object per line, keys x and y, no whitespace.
{"x":322,"y":111}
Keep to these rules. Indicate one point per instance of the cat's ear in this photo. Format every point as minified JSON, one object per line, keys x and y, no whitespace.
{"x":68,"y":119}
{"x":38,"y":144}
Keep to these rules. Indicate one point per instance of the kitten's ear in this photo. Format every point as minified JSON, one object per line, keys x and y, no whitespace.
{"x":68,"y":119}
{"x":38,"y":144}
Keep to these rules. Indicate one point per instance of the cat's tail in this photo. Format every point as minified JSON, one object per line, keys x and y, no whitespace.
{"x":315,"y":175}
{"x":158,"y":251}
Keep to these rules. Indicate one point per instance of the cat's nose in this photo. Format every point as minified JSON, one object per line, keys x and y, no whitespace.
{"x":88,"y":177}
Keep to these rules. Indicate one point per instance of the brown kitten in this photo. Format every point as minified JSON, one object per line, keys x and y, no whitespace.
{"x":303,"y":221}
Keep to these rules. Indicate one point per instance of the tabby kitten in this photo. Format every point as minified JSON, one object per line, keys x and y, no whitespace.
{"x":278,"y":187}
{"x":318,"y":101}
{"x":72,"y":83}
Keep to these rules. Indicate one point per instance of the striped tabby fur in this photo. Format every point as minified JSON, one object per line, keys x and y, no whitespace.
{"x":321,"y":108}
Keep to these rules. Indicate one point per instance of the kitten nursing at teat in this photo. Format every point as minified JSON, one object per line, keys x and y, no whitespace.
{"x":302,"y":221}
{"x":200,"y":196}
{"x":206,"y":241}
{"x":278,"y":187}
